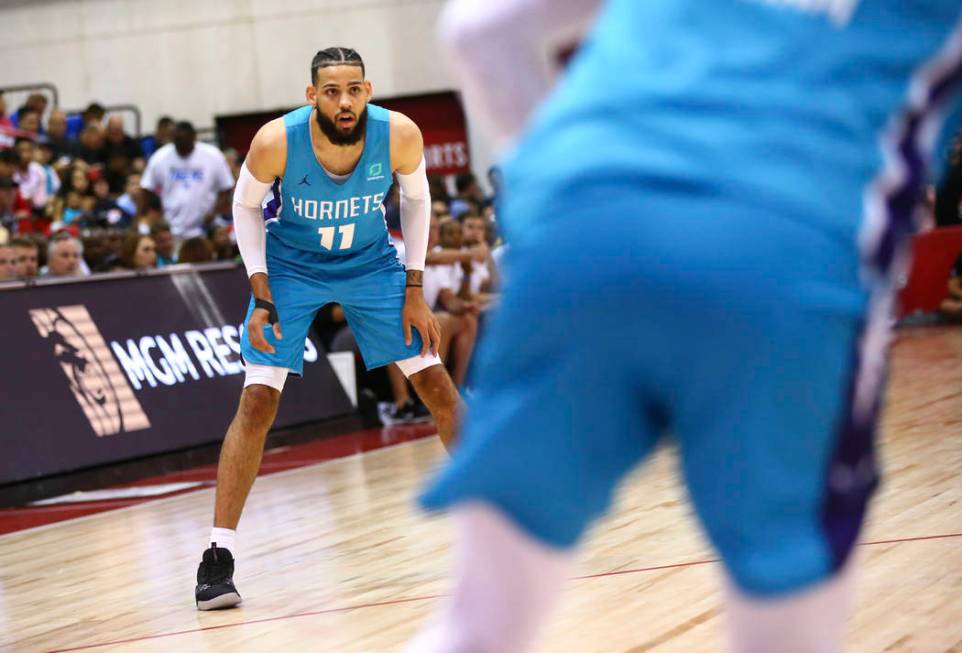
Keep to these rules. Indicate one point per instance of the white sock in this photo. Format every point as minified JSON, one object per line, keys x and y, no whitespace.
{"x":811,"y":621}
{"x":225,"y":538}
{"x":506,"y":584}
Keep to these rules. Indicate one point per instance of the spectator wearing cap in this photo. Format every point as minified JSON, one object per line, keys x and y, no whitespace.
{"x":164,"y":239}
{"x":8,"y":263}
{"x":64,"y":257}
{"x":192,"y":179}
{"x":30,"y":175}
{"x":27,"y":254}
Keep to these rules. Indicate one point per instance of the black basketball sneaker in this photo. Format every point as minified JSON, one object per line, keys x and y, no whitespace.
{"x":215,"y":580}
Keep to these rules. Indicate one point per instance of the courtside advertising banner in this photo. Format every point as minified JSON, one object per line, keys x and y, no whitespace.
{"x":106,"y":370}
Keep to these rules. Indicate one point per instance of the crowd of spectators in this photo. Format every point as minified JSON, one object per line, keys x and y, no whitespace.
{"x":79,"y":195}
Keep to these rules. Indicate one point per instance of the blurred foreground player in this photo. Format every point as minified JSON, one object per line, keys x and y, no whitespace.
{"x":704,"y":234}
{"x":328,"y":166}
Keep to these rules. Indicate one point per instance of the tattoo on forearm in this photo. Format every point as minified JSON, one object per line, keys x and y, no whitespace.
{"x":415,"y":277}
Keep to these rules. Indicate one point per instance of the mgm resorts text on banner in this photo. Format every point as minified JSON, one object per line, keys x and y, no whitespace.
{"x":106,"y":370}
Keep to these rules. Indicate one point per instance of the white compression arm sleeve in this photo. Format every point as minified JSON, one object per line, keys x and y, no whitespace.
{"x":415,"y":215}
{"x":502,"y":51}
{"x":249,"y":221}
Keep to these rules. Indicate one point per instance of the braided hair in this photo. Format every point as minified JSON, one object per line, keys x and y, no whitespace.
{"x":335,"y":57}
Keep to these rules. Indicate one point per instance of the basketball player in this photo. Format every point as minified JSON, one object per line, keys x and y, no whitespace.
{"x":705,"y":232}
{"x":327,"y":167}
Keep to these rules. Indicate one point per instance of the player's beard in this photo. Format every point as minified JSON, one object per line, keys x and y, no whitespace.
{"x":338,"y":137}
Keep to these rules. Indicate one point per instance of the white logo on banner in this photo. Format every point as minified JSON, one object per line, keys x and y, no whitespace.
{"x":190,"y":356}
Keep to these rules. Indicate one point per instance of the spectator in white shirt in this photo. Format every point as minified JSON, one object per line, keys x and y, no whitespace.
{"x":484,"y":274}
{"x":442,"y":281}
{"x":192,"y":179}
{"x":449,"y":287}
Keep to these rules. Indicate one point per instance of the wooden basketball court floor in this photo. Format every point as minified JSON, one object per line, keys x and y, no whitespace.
{"x":334,"y":557}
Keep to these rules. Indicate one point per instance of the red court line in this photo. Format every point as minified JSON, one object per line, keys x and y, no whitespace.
{"x":414,"y":599}
{"x":312,"y":613}
{"x":913,"y":539}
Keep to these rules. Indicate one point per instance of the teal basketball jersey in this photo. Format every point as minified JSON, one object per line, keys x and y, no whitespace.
{"x":343,"y":221}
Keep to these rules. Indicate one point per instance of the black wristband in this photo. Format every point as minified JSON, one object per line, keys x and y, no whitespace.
{"x":269,"y":307}
{"x":415,"y":285}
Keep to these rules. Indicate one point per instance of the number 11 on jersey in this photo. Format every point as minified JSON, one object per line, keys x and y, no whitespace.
{"x":346,"y":232}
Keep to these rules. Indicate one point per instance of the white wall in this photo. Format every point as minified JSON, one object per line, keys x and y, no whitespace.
{"x":197,"y":58}
{"x":194,"y":59}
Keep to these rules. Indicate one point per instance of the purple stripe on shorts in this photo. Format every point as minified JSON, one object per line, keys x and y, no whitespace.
{"x":852,"y":475}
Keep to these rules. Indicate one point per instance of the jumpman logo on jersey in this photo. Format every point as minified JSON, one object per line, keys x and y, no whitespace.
{"x":304,"y":182}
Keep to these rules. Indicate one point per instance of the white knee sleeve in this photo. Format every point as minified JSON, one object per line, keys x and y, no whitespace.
{"x":415,"y":364}
{"x":268,"y":375}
